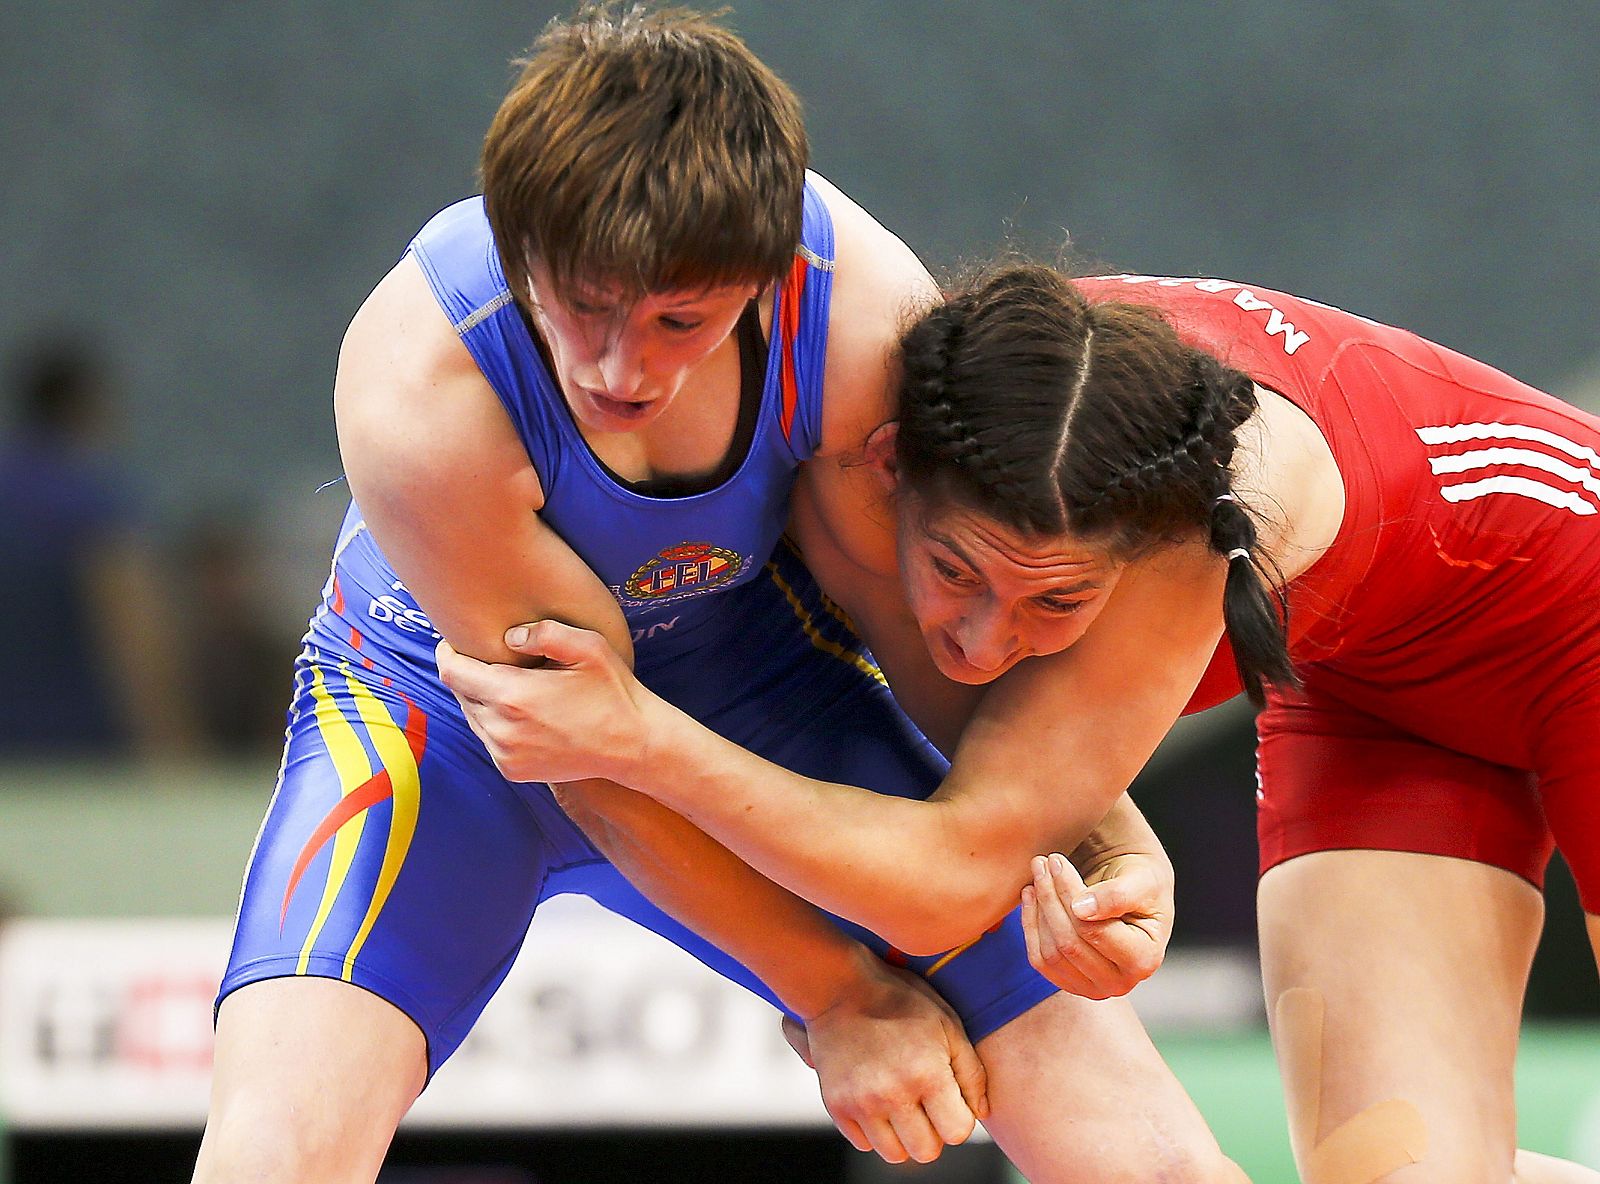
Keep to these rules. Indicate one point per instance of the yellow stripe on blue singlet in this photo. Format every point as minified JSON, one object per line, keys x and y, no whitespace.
{"x":809,"y":626}
{"x":395,"y":755}
{"x":351,"y":763}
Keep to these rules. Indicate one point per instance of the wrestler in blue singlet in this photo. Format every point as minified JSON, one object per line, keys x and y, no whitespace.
{"x":395,"y":855}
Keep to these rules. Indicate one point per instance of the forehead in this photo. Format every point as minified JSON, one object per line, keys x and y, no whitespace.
{"x":614,"y":292}
{"x":1000,"y":551}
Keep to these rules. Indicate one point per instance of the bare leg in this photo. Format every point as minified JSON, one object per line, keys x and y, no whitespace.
{"x":1078,"y":1093}
{"x":312,"y":1076}
{"x":1417,"y":965}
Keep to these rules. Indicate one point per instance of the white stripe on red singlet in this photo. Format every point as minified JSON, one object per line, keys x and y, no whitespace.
{"x":1584,"y":475}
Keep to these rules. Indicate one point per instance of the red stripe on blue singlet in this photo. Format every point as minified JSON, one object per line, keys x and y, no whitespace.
{"x":794,"y":286}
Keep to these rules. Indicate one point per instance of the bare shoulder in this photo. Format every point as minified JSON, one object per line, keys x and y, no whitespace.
{"x":410,"y":403}
{"x":1286,"y":472}
{"x":879,"y":286}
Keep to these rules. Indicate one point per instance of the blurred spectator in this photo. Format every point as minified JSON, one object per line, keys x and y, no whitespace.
{"x":90,"y":667}
{"x":241,"y":664}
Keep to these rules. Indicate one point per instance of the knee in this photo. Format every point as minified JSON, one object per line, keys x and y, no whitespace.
{"x":271,"y":1140}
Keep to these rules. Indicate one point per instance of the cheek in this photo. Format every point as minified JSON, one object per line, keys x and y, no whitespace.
{"x":936,"y":606}
{"x":1051,"y":635}
{"x":567,"y":345}
{"x":671,"y":359}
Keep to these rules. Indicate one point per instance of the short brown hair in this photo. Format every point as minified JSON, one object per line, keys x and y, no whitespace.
{"x":646,"y":147}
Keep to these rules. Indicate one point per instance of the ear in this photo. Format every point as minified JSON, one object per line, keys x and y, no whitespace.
{"x":880,"y":456}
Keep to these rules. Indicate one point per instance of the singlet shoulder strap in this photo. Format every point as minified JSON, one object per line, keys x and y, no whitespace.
{"x":800,"y":322}
{"x":461,"y":264}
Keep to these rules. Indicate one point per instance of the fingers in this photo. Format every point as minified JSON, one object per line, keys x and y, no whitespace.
{"x":951,"y":1114}
{"x":795,"y":1033}
{"x":1133,"y":890}
{"x":905,"y":1133}
{"x":851,"y":1130}
{"x":911,"y":1113}
{"x":1057,"y":945}
{"x":880,"y":1136}
{"x":466,"y":677}
{"x":972,"y":1081}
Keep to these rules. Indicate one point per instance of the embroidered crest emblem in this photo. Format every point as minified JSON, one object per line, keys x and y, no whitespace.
{"x":685,"y":569}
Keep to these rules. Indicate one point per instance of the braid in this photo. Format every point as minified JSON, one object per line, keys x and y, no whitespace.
{"x":1182,"y":477}
{"x":1055,"y":414}
{"x":1255,"y":606}
{"x":929,"y":350}
{"x":947,"y":437}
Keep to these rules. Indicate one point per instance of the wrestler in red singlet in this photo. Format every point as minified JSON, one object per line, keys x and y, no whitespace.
{"x":1449,"y":640}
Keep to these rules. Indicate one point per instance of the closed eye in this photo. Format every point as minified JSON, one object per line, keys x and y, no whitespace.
{"x":950,"y":573}
{"x":1059,"y":606}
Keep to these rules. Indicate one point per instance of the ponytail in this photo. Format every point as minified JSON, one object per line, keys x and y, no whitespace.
{"x":1254,"y":609}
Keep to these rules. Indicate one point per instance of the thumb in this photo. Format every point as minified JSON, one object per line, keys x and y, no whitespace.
{"x":971,"y":1077}
{"x":1112,"y":898}
{"x":554,"y":641}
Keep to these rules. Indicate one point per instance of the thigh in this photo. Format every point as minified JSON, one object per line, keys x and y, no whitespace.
{"x":394,"y":857}
{"x":1394,"y":983}
{"x":310,"y":1078}
{"x":1078,"y":1093}
{"x":1569,"y":790}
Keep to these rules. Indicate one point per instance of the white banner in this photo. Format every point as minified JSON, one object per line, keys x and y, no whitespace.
{"x":108,"y":1024}
{"x":600,"y":1023}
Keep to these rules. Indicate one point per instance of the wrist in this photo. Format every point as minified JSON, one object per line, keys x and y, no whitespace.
{"x":664,"y":760}
{"x":635,"y":764}
{"x":841,"y":976}
{"x":1122,"y":832}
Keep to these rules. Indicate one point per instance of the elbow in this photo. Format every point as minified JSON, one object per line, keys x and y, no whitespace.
{"x":944,"y":921}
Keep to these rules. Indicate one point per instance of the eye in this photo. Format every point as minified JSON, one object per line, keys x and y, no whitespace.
{"x":587,"y":308}
{"x":951,"y":574}
{"x":680,"y":325}
{"x":1058,"y":605}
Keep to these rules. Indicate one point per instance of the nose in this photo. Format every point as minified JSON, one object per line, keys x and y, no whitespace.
{"x":621,"y":364}
{"x":987,"y":639}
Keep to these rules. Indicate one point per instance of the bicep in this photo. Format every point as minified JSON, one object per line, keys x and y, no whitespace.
{"x":445,"y":484}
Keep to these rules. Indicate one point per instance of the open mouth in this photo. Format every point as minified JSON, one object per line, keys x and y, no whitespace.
{"x":620,"y":408}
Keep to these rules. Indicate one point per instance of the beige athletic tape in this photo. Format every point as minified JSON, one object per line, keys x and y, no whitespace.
{"x":1383,"y":1137}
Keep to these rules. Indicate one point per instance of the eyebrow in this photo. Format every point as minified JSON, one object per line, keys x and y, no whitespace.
{"x":1083,"y":585}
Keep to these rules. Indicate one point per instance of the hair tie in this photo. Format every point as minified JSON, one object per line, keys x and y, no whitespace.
{"x":1238,"y":553}
{"x":1225,"y":497}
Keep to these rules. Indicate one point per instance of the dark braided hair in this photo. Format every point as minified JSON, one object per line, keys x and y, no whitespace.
{"x":1029,"y":404}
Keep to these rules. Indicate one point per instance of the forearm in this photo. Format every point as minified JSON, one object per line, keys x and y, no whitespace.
{"x":807,"y":961}
{"x":852,"y":851}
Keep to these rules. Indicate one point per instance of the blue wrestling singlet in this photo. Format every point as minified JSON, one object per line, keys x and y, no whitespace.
{"x":395,"y":856}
